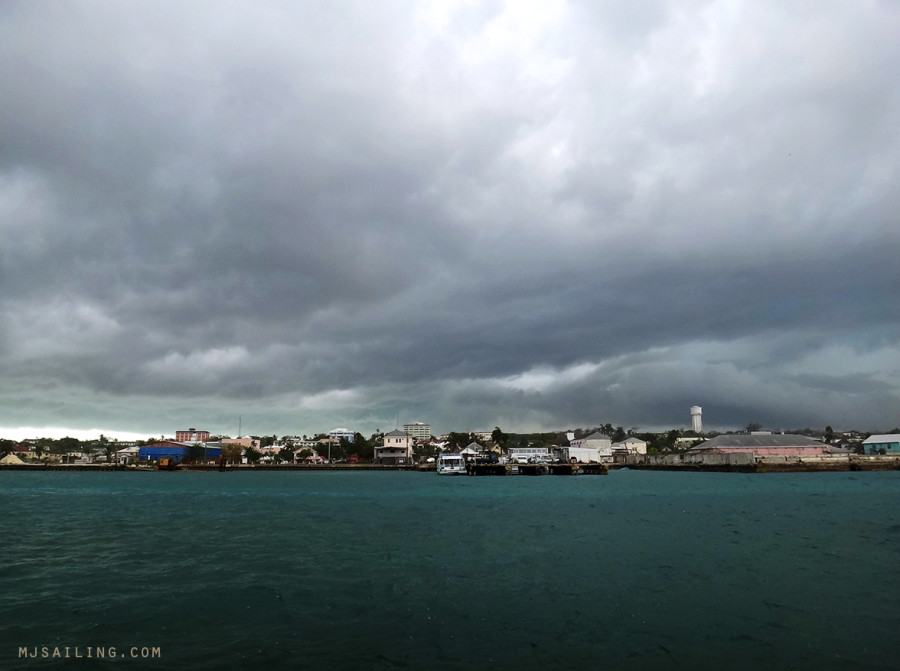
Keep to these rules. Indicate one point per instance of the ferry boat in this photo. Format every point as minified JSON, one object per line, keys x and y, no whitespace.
{"x":451,"y":464}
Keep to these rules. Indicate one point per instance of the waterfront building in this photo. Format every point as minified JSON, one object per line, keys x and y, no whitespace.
{"x":598,"y":441}
{"x":884,"y":443}
{"x":761,"y":444}
{"x":191,"y":435}
{"x":128,"y":455}
{"x":395,"y":450}
{"x":630,"y":445}
{"x":168,"y":449}
{"x":172,"y":450}
{"x":418,"y":430}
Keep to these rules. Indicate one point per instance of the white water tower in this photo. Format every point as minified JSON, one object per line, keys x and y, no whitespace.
{"x":696,"y":418}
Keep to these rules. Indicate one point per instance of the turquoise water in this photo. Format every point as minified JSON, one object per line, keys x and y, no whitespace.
{"x":636,"y":570}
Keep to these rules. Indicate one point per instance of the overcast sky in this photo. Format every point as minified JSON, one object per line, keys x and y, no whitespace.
{"x":537,"y":215}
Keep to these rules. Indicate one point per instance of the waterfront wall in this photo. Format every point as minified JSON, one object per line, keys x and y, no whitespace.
{"x":744,"y":463}
{"x":748,"y":462}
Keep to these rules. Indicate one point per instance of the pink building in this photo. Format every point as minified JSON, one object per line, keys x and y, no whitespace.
{"x":192,"y":436}
{"x":762,"y":444}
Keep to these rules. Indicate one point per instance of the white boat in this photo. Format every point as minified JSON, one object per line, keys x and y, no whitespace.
{"x":451,"y":464}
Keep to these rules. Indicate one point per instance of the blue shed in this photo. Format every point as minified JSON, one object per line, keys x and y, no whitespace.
{"x":885,"y":443}
{"x":162,"y":450}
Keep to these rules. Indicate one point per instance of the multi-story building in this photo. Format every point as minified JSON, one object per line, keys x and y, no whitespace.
{"x":337,"y":434}
{"x":418,"y":430}
{"x":596,"y":441}
{"x":192,"y":435}
{"x":244,"y":441}
{"x":397,"y":449}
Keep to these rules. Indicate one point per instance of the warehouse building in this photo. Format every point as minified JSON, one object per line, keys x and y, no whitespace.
{"x":170,"y":449}
{"x":759,"y":444}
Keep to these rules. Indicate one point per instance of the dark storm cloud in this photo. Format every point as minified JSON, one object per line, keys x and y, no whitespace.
{"x":540,"y":216}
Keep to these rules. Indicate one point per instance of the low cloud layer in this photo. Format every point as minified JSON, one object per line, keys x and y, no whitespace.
{"x":537,"y":215}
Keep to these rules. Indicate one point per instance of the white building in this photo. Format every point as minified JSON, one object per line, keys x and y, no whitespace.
{"x":341,"y":433}
{"x":128,"y":455}
{"x":598,"y":441}
{"x":396,"y":449}
{"x":630,"y":445}
{"x":418,"y":430}
{"x":581,"y":455}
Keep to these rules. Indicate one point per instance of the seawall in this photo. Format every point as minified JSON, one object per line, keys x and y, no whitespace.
{"x":746,"y":463}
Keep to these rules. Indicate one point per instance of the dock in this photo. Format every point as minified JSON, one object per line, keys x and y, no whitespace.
{"x":536,"y":469}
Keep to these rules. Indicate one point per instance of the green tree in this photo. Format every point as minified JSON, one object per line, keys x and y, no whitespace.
{"x":253,"y":455}
{"x":364,"y":449}
{"x":662,"y":442}
{"x":422,"y":452}
{"x":672,"y":439}
{"x":499,"y":438}
{"x":457,"y":441}
{"x":6,"y":446}
{"x":619,"y":435}
{"x":285,"y":454}
{"x":196,"y":452}
{"x":46,"y":444}
{"x":344,"y":449}
{"x":232,"y":453}
{"x":107,"y":447}
{"x":67,"y":444}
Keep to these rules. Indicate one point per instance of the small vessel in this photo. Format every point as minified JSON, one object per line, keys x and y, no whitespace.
{"x":451,"y":464}
{"x":168,"y":464}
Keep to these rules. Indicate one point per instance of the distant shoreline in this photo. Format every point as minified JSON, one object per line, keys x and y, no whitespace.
{"x":854,"y":463}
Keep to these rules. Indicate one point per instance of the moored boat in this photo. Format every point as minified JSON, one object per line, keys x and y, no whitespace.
{"x":451,"y":464}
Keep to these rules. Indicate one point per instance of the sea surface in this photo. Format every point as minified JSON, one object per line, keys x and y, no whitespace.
{"x":397,"y":570}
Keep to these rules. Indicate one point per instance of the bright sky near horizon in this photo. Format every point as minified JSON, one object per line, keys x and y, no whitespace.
{"x":535,"y":215}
